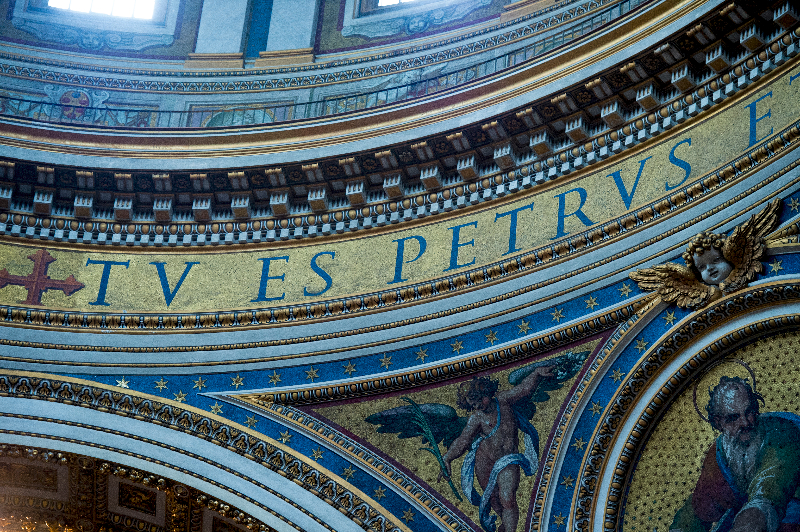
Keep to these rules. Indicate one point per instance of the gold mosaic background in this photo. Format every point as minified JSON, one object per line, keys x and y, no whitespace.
{"x":670,"y":462}
{"x":422,"y":464}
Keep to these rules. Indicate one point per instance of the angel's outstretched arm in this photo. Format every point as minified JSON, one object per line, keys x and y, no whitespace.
{"x":462,"y":442}
{"x":525,"y":389}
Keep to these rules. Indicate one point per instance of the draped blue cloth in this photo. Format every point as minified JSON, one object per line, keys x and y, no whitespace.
{"x":528,"y":461}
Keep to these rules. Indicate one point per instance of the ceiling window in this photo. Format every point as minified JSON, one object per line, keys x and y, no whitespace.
{"x":370,"y":6}
{"x":141,"y":9}
{"x":382,"y":3}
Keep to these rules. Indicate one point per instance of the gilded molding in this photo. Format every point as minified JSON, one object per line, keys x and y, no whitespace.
{"x":527,"y":348}
{"x":609,"y":319}
{"x":368,"y":459}
{"x":648,"y":303}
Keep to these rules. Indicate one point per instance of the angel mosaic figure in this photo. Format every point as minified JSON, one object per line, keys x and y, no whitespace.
{"x":715,"y":264}
{"x":489,"y":435}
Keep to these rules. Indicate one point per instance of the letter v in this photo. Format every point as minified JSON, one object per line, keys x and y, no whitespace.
{"x":623,"y":192}
{"x":169,"y":295}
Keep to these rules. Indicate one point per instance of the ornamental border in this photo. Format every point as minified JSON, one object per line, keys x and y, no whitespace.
{"x":645,"y":371}
{"x":542,"y":488}
{"x":614,"y":230}
{"x":526,"y":348}
{"x":129,"y":453}
{"x":286,"y":462}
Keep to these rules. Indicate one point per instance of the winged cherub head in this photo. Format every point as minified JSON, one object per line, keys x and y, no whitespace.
{"x":704,"y":256}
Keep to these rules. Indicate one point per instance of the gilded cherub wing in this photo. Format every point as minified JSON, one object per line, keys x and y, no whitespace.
{"x":674,"y":283}
{"x":745,"y":247}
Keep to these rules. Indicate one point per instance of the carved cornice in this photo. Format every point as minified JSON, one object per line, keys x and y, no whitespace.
{"x":345,"y":214}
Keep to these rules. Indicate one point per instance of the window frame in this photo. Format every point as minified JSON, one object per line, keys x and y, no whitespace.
{"x":159,"y":11}
{"x":164,"y":17}
{"x":48,"y":23}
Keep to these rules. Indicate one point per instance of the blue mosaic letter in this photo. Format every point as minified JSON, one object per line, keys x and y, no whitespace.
{"x":169,"y":295}
{"x":265,"y":278}
{"x":107,"y":264}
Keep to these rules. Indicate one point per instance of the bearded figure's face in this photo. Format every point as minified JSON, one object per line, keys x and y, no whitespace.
{"x":737,"y":415}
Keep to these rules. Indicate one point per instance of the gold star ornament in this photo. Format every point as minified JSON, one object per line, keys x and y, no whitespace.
{"x":251,"y":421}
{"x":312,"y":374}
{"x":380,"y":493}
{"x":408,"y":515}
{"x":457,"y":346}
{"x":591,"y":302}
{"x":316,"y":454}
{"x":422,"y":354}
{"x":161,"y":385}
{"x":794,"y":204}
{"x":641,"y":345}
{"x":596,"y":408}
{"x":275,"y":378}
{"x":180,"y":396}
{"x":625,"y":290}
{"x":524,"y":327}
{"x":776,"y":265}
{"x":348,"y":473}
{"x":350,"y":368}
{"x":669,"y":319}
{"x":285,"y":437}
{"x":123,"y":383}
{"x":386,"y":361}
{"x":559,"y":520}
{"x":579,"y":444}
{"x":558,"y":315}
{"x":491,"y":337}
{"x":216,"y":408}
{"x":617,"y":375}
{"x":200,"y":383}
{"x":237,"y":381}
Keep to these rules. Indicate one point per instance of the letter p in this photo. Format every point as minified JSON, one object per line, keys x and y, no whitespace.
{"x":401,"y":251}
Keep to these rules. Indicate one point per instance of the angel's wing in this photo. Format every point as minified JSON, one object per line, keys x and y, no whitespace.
{"x":565,"y":367}
{"x":443,"y":420}
{"x":745,"y":247}
{"x":673,"y":283}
